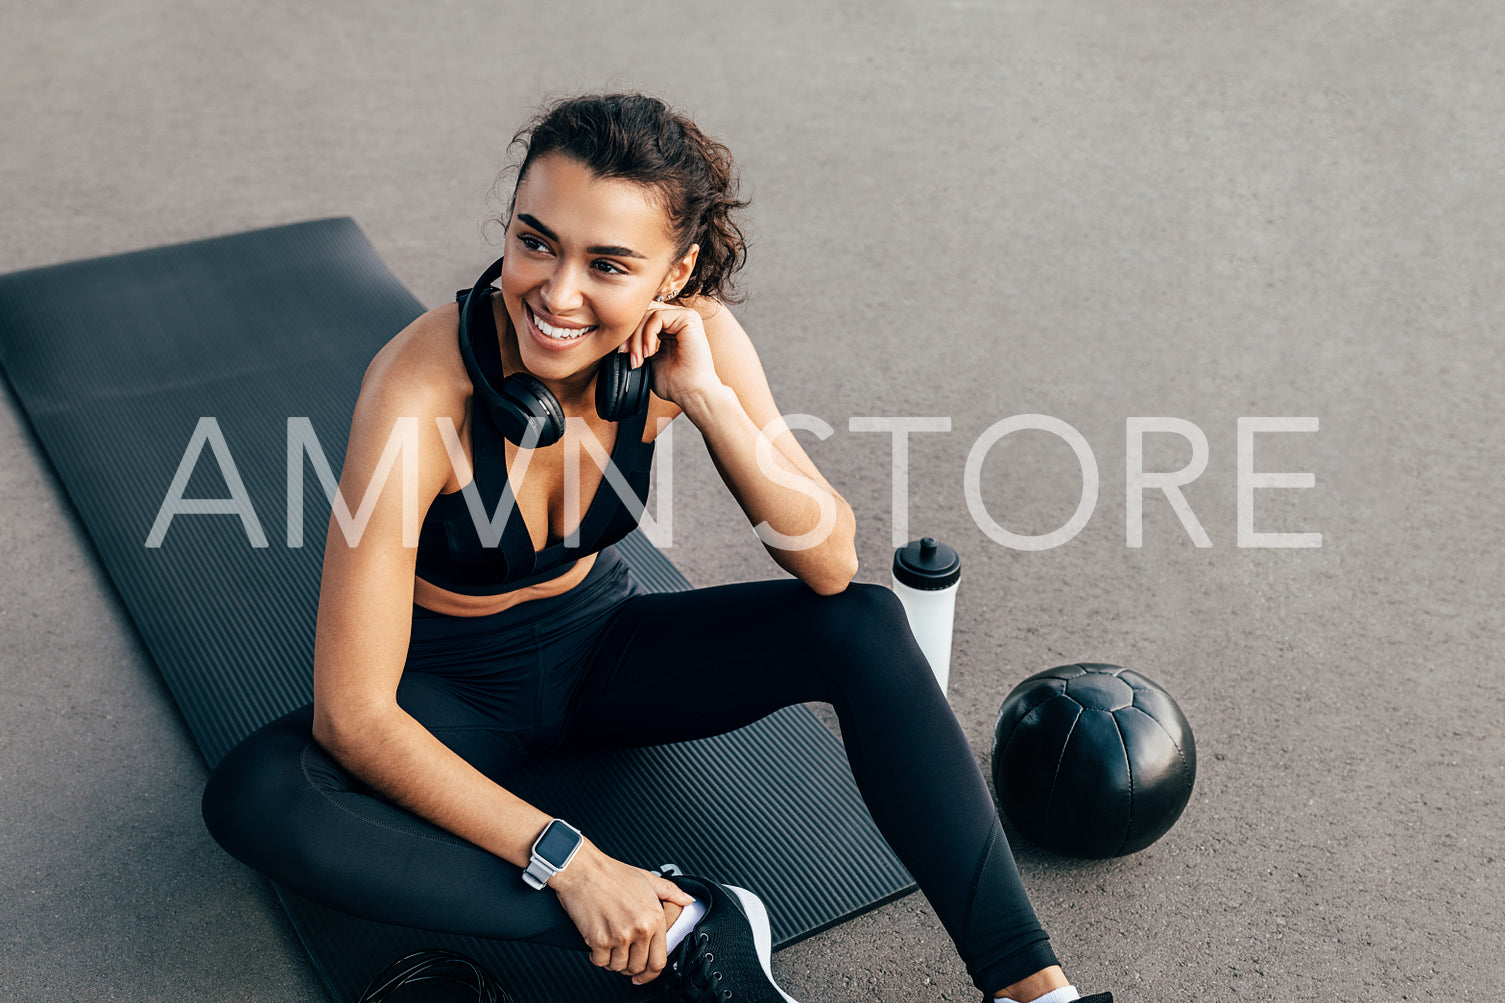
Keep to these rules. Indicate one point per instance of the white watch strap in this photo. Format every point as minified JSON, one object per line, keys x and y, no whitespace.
{"x":538,"y":873}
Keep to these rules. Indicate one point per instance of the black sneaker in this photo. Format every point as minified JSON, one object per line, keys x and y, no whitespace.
{"x":725,"y":957}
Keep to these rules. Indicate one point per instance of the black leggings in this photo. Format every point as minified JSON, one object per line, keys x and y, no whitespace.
{"x":605,"y":665}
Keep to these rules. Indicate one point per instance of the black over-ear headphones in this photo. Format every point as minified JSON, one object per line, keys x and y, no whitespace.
{"x":521,"y":402}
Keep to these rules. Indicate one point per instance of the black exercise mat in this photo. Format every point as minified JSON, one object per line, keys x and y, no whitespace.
{"x":116,"y":360}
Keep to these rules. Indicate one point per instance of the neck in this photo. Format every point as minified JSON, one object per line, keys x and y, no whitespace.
{"x":572,"y":392}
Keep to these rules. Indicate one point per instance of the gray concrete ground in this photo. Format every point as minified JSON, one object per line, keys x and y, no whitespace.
{"x":1092,"y":211}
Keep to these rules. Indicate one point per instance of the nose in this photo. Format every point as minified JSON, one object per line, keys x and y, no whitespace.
{"x":562,"y":293}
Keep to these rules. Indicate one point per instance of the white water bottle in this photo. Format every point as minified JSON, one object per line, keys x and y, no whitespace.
{"x":926,"y":577}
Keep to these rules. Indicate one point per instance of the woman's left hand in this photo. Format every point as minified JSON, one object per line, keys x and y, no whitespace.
{"x":674,"y":337}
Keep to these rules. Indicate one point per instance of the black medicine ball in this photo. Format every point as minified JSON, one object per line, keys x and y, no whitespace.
{"x":1092,"y":760}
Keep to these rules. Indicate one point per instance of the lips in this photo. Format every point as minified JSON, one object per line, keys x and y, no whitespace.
{"x":556,"y":332}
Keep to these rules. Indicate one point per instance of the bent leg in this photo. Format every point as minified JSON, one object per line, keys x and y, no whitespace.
{"x":684,"y":665}
{"x":281,"y":804}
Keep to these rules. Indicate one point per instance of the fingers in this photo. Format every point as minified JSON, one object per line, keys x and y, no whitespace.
{"x":662,"y":319}
{"x":668,"y":891}
{"x":647,"y":337}
{"x":658,"y":957}
{"x":639,"y":950}
{"x":637,"y":958}
{"x":621,"y":918}
{"x":658,"y":947}
{"x":652,"y":336}
{"x":640,"y":338}
{"x":643,"y":956}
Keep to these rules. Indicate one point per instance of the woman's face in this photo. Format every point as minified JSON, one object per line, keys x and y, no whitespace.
{"x":584,"y":258}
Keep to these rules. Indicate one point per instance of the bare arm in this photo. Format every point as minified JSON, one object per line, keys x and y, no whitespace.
{"x":364,"y":627}
{"x":364,"y":621}
{"x":715,"y":376}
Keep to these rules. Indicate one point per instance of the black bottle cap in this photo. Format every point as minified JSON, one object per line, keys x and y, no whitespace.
{"x":927,"y":565}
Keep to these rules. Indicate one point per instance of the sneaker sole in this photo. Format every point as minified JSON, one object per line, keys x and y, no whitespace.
{"x":762,"y":937}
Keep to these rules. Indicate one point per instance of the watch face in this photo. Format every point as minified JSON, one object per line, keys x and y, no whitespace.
{"x":557,"y":843}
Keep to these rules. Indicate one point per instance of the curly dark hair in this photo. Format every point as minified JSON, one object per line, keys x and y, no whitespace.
{"x":640,"y":139}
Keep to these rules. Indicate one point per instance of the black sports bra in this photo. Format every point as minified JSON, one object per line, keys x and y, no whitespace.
{"x":451,"y":553}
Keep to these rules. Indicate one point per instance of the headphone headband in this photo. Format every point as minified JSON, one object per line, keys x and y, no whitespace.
{"x":489,"y":339}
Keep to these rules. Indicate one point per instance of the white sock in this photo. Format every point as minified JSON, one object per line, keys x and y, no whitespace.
{"x":682,"y":926}
{"x":1065,"y":994}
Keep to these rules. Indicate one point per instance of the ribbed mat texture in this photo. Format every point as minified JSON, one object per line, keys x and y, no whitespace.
{"x":119,"y":361}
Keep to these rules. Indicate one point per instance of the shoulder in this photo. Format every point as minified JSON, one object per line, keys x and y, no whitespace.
{"x":417,"y":382}
{"x":732,"y":350}
{"x":713,"y":312}
{"x":420,"y":369}
{"x":727,"y":339}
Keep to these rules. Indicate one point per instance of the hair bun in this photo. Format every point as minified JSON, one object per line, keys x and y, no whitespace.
{"x":640,"y":139}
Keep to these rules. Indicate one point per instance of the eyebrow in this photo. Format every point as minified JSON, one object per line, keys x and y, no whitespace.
{"x":611,"y":250}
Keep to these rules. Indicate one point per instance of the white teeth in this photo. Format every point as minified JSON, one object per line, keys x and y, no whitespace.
{"x":559,"y":333}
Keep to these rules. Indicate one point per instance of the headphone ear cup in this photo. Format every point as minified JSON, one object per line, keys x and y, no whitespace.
{"x":521,"y":403}
{"x":621,"y":391}
{"x":527,"y":403}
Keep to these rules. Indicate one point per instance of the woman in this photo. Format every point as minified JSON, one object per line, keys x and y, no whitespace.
{"x":439,"y":668}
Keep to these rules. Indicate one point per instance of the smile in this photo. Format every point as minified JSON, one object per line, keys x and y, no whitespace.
{"x":556,"y":333}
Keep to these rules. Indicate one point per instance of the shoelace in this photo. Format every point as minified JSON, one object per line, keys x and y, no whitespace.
{"x":697,"y":981}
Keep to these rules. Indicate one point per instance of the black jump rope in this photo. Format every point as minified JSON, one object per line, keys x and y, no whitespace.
{"x":436,"y":966}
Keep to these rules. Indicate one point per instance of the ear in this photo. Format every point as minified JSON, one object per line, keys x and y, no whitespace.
{"x":682,"y":269}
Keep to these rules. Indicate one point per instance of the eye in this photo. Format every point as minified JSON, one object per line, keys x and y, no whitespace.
{"x":609,"y":267}
{"x":532,"y":243}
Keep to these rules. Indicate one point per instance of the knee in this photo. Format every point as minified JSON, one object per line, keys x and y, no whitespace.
{"x":236,"y":796}
{"x":220,"y":807}
{"x":230,"y":804}
{"x":862,"y":611}
{"x":865,"y":627}
{"x":250,"y":790}
{"x":872,"y":606}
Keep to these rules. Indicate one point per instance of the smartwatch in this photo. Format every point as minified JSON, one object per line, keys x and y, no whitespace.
{"x":553,"y":850}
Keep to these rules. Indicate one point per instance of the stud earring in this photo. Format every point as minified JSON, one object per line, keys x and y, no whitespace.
{"x":665,"y":297}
